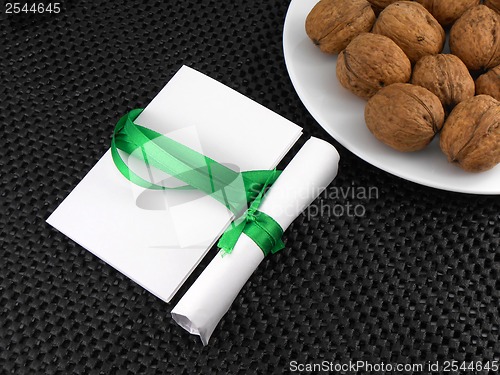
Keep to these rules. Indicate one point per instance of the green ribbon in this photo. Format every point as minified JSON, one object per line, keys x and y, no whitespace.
{"x":236,"y":190}
{"x":259,"y":226}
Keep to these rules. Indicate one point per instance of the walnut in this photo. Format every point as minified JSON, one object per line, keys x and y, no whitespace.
{"x":332,"y":24}
{"x":447,"y":12}
{"x":471,"y":134}
{"x":371,"y":62}
{"x":474,"y":38}
{"x":489,"y":83}
{"x":446,"y":76}
{"x":493,"y":4}
{"x":413,"y":29}
{"x":405,"y":117}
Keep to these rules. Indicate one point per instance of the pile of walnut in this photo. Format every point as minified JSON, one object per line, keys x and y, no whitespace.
{"x":379,"y":56}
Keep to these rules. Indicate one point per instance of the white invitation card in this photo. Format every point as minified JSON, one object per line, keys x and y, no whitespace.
{"x":157,"y":237}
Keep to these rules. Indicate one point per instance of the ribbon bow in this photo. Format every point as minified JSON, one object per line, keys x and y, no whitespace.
{"x":259,"y":226}
{"x":236,"y":190}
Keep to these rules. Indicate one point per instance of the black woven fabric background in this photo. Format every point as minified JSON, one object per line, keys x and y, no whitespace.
{"x":416,"y":279}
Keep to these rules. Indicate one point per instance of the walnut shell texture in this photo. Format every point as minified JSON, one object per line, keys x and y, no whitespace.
{"x":475,"y":38}
{"x":446,"y":76}
{"x":371,"y":62}
{"x":471,"y":134}
{"x":489,"y":83}
{"x":413,"y":29}
{"x":332,"y":24}
{"x":405,"y":117}
{"x":493,"y":4}
{"x":381,"y":4}
{"x":447,"y":12}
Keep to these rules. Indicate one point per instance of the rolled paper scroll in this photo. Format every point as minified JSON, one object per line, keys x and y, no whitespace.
{"x":211,"y":295}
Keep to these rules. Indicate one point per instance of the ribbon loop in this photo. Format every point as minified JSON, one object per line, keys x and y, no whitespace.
{"x":236,"y":190}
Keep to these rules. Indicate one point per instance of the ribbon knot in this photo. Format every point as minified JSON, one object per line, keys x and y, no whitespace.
{"x":251,"y":212}
{"x":236,"y":190}
{"x":260,"y":227}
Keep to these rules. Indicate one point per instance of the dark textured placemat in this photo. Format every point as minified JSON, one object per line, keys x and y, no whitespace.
{"x":414,"y":279}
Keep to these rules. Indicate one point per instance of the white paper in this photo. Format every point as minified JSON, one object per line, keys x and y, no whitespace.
{"x":158,"y":237}
{"x":205,"y":303}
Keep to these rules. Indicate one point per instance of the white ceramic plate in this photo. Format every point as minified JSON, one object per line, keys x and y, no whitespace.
{"x":342,"y":115}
